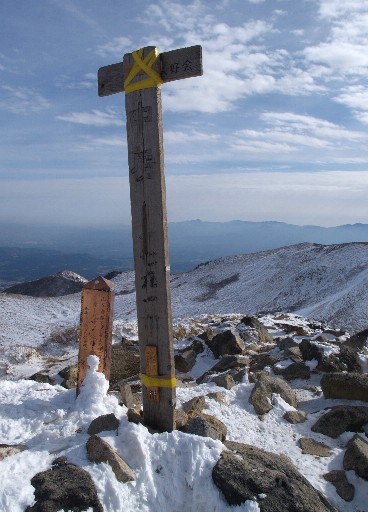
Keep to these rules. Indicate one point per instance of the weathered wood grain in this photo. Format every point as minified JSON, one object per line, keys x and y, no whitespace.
{"x":173,"y":65}
{"x":150,"y":243}
{"x":97,"y":309}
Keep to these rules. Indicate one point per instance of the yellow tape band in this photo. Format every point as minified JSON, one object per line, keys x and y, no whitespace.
{"x":153,"y":79}
{"x":160,"y":382}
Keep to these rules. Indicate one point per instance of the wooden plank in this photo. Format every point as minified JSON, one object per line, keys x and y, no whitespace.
{"x":150,"y":243}
{"x":97,"y":308}
{"x":175,"y":65}
{"x":152,"y":371}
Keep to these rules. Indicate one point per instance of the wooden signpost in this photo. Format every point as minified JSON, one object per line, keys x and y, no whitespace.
{"x":97,"y":311}
{"x":140,"y":75}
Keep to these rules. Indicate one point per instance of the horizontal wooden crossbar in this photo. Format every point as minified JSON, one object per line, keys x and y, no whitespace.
{"x":173,"y":65}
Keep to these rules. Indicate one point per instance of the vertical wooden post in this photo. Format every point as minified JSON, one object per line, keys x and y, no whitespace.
{"x":140,"y":75}
{"x":150,"y":246}
{"x":97,"y":311}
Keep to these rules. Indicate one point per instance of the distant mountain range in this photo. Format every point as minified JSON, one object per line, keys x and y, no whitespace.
{"x":28,"y":252}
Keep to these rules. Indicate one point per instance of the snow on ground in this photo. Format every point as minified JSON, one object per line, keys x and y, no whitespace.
{"x":173,"y":469}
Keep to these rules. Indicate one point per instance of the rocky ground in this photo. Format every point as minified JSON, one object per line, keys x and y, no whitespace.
{"x":313,"y":377}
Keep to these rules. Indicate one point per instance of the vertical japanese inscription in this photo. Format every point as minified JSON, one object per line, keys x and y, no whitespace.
{"x":152,"y":279}
{"x":97,"y":306}
{"x":148,"y":204}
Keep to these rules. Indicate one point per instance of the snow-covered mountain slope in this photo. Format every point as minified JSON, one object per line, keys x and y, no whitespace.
{"x":322,"y":282}
{"x":325,"y":282}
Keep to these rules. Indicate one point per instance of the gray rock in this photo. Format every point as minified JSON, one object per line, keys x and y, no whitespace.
{"x":342,"y":418}
{"x":181,"y":419}
{"x":356,"y":456}
{"x":294,"y":371}
{"x":185,"y":360}
{"x":343,"y":488}
{"x":224,"y":381}
{"x":64,"y":487}
{"x":126,"y":395}
{"x":263,"y":389}
{"x":226,"y":342}
{"x":99,"y":450}
{"x":313,"y":447}
{"x":351,"y":386}
{"x":196,"y":404}
{"x":263,"y":336}
{"x":310,"y":351}
{"x":295,"y":354}
{"x":69,"y":376}
{"x":135,"y":415}
{"x":102,"y":423}
{"x":358,"y":341}
{"x":246,"y":472}
{"x":287,"y":343}
{"x":295,"y":416}
{"x":259,"y":361}
{"x":219,"y":397}
{"x":206,"y":426}
{"x":43,"y":378}
{"x":349,"y":357}
{"x":7,"y":450}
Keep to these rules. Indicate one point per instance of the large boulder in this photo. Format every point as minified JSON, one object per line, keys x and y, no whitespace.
{"x":263,"y":389}
{"x":64,"y":487}
{"x":358,"y":341}
{"x":246,"y":472}
{"x":294,"y":371}
{"x":226,"y":342}
{"x":340,"y":419}
{"x":356,"y":456}
{"x":98,"y":450}
{"x":351,"y":386}
{"x":261,"y":331}
{"x":344,"y":488}
{"x":205,"y":425}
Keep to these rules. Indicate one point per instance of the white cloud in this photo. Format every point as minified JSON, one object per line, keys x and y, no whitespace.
{"x":356,"y":98}
{"x":22,"y":100}
{"x":117,"y":47}
{"x":109,"y":117}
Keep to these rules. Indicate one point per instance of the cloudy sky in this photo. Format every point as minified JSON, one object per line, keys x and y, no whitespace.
{"x":275,"y":129}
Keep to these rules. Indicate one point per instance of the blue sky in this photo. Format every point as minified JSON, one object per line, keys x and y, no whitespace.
{"x":275,"y":129}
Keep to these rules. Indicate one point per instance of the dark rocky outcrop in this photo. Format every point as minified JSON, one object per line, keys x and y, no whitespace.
{"x":57,"y":285}
{"x":226,"y":342}
{"x":342,"y":418}
{"x":246,"y":472}
{"x":343,"y":487}
{"x":351,"y":386}
{"x":64,"y":487}
{"x":205,"y":425}
{"x":261,"y":331}
{"x":356,"y":456}
{"x":294,"y":371}
{"x":102,"y":423}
